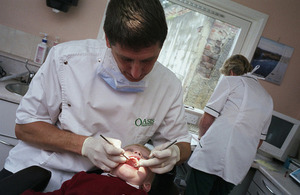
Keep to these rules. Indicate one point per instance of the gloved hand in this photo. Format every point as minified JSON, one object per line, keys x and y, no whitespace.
{"x":102,"y":154}
{"x":160,"y":160}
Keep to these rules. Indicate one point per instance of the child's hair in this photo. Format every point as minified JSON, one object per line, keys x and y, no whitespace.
{"x":140,"y":145}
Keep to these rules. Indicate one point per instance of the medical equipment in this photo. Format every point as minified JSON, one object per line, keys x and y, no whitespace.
{"x":283,"y":137}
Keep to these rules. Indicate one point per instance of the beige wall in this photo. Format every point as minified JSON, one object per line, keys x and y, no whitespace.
{"x":83,"y":21}
{"x":33,"y":16}
{"x":283,"y":26}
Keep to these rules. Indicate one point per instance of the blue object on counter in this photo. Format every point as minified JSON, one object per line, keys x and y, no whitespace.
{"x":287,"y":163}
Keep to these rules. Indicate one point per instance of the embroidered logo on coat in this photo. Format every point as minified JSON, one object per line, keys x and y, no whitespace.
{"x":143,"y":122}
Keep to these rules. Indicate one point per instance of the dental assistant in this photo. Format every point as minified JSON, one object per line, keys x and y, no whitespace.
{"x":115,"y":88}
{"x":234,"y":124}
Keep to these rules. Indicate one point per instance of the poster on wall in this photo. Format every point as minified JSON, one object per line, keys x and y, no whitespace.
{"x":272,"y":58}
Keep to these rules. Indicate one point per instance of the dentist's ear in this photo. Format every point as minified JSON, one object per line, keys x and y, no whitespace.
{"x":107,"y":42}
{"x":146,"y":186}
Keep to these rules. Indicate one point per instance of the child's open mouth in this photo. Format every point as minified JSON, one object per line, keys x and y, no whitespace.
{"x":133,"y":161}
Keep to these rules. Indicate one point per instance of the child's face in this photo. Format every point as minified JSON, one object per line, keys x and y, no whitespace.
{"x":127,"y":171}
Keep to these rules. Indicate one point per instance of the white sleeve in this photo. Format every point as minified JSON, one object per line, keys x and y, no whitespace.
{"x":43,"y":100}
{"x":218,"y":99}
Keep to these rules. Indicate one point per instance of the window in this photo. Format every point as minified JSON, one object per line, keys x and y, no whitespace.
{"x":200,"y":38}
{"x":202,"y":34}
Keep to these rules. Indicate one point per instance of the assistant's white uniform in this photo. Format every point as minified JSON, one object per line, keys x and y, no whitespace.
{"x":68,"y":93}
{"x":243,"y":111}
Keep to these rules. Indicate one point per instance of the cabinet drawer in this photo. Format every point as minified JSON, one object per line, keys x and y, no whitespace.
{"x":254,"y":189}
{"x":265,"y":184}
{"x":7,"y":118}
{"x":6,"y":144}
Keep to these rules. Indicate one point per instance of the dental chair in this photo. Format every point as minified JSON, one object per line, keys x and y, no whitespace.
{"x":34,"y":177}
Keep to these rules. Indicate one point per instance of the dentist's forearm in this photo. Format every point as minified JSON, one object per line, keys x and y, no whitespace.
{"x":49,"y":137}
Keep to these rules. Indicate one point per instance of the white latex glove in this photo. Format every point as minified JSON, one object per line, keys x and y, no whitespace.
{"x":102,"y":154}
{"x":161,"y":161}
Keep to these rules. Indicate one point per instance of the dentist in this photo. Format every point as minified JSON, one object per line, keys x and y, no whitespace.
{"x":115,"y":88}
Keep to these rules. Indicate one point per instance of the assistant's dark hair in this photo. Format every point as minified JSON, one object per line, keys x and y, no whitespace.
{"x":135,"y":23}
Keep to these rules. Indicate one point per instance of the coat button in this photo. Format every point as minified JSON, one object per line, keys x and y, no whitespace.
{"x":65,"y":62}
{"x":99,"y":60}
{"x":69,"y":105}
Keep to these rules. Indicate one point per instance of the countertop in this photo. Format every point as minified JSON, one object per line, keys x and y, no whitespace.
{"x":7,"y":95}
{"x":276,"y":172}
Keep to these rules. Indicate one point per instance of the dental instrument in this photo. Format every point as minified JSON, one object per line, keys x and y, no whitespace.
{"x":112,"y":144}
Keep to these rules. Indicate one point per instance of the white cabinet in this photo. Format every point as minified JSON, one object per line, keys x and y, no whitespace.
{"x":6,"y":144}
{"x":242,"y":188}
{"x":262,"y":185}
{"x":254,"y":189}
{"x":7,"y":117}
{"x":7,"y":129}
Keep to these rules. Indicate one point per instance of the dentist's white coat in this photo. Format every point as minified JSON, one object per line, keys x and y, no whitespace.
{"x":68,"y":93}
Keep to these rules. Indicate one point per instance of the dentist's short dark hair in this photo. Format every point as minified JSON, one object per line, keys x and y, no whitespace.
{"x":135,"y":23}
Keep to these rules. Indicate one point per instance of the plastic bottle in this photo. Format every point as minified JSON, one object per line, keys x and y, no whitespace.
{"x":56,"y":41}
{"x":41,"y":50}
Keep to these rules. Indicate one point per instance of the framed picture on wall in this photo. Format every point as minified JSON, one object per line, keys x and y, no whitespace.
{"x":272,"y":58}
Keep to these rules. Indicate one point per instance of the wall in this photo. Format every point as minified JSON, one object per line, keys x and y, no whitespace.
{"x":21,"y":22}
{"x":283,"y":26}
{"x":26,"y":18}
{"x":33,"y":16}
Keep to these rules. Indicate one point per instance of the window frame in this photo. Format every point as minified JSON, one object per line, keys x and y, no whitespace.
{"x":257,"y":21}
{"x":251,"y":38}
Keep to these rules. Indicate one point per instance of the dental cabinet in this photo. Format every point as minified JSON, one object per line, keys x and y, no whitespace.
{"x":262,"y":185}
{"x":271,"y":177}
{"x":7,"y":129}
{"x":9,"y":103}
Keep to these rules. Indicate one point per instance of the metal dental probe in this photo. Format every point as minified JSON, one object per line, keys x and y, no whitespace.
{"x":170,"y":144}
{"x":112,"y":144}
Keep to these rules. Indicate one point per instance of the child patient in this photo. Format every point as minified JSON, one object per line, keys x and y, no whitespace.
{"x":124,"y":179}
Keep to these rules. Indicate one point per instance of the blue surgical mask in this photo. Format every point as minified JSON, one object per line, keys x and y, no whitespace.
{"x":109,"y":71}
